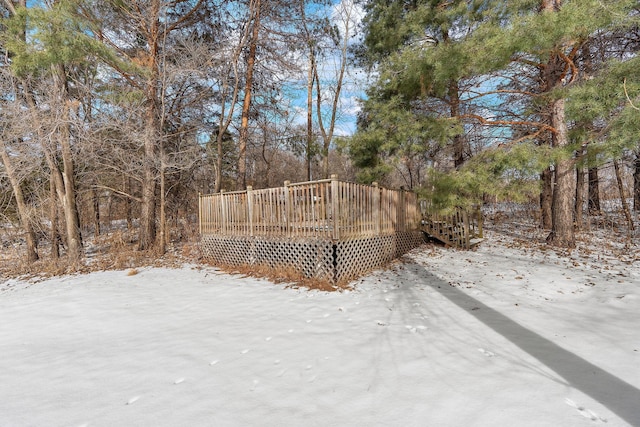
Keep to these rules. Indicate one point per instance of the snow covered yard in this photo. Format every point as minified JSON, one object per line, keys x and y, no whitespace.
{"x":498,"y":336}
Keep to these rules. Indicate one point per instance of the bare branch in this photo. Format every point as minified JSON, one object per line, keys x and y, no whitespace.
{"x":624,"y":85}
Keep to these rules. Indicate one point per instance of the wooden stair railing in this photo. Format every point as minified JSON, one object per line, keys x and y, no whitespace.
{"x":460,"y":229}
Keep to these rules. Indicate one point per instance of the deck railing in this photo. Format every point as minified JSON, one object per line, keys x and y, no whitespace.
{"x":328,"y":209}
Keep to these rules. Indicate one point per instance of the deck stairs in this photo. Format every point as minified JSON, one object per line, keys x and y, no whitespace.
{"x":460,"y":228}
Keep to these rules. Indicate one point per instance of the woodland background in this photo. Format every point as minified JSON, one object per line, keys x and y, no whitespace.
{"x":116,"y":114}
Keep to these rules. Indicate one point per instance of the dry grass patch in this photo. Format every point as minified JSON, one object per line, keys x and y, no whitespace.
{"x":292,"y":277}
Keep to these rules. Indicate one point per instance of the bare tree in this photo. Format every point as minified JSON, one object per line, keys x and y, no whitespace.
{"x":345,"y":15}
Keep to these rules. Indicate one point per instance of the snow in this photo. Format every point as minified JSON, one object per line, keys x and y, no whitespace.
{"x":503,"y":335}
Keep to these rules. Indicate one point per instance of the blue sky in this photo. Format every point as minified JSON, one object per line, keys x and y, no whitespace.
{"x":354,"y":82}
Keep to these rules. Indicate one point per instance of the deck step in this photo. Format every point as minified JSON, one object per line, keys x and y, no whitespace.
{"x":475,"y":241}
{"x":460,"y":229}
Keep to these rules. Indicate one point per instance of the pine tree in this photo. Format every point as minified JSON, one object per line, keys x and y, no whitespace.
{"x":414,"y":47}
{"x":523,"y":60}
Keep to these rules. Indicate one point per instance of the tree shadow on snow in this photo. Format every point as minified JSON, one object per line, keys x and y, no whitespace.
{"x":619,"y":396}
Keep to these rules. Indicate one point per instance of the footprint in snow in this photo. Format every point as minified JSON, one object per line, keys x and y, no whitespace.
{"x":486,"y":352}
{"x":587,"y":413}
{"x":326,"y":315}
{"x":245,"y":351}
{"x":416,"y":328}
{"x":132,"y":400}
{"x":213,"y":362}
{"x":178,"y":381}
{"x":267,"y":339}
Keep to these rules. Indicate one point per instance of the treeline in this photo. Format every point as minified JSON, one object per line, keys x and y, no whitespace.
{"x":514,"y":99}
{"x":126,"y":110}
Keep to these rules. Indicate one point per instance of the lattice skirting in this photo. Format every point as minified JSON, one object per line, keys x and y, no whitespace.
{"x":311,"y":258}
{"x":358,"y":256}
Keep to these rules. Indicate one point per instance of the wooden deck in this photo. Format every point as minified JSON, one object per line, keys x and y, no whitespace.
{"x":333,"y":210}
{"x":329,"y":229}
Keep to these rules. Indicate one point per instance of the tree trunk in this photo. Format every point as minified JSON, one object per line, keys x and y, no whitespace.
{"x":54,"y":234}
{"x":23,"y":213}
{"x":309,"y":147}
{"x":74,"y":237}
{"x":562,"y":230}
{"x":458,"y":140}
{"x":593,"y":204}
{"x":147,"y":237}
{"x":162,"y":241}
{"x":127,"y":203}
{"x":636,"y":182}
{"x":241,"y":182}
{"x":220,"y":153}
{"x":109,"y":207}
{"x":623,"y":197}
{"x":67,"y":191}
{"x":96,"y":211}
{"x":580,"y":177}
{"x":546,"y":198}
{"x":346,"y":13}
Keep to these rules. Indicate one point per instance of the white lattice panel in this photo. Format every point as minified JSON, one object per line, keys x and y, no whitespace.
{"x":357,"y":256}
{"x":311,"y":258}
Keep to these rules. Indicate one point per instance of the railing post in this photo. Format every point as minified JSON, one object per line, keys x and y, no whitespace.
{"x":466,"y":224}
{"x":200,"y":213}
{"x":223,"y":213}
{"x":335,"y":206}
{"x":401,"y":212}
{"x":376,"y":208}
{"x":287,"y":208}
{"x":249,"y":196}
